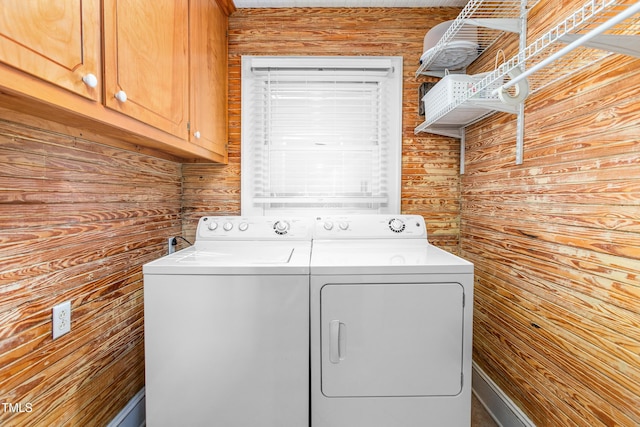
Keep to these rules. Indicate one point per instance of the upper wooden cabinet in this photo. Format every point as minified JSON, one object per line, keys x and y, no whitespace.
{"x":157,"y":82}
{"x":146,"y":61}
{"x":57,"y":41}
{"x":208,"y":54}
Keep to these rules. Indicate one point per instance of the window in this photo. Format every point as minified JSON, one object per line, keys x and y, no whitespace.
{"x":321,"y":135}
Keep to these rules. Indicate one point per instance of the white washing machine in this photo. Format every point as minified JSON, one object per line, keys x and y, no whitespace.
{"x":391,"y":326}
{"x":227,"y":326}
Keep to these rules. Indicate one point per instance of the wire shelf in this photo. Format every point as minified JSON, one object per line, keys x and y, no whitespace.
{"x":549,"y":59}
{"x":480,"y":21}
{"x":546,"y":53}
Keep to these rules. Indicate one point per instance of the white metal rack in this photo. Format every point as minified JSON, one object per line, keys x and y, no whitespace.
{"x":481,"y":20}
{"x":593,"y":32}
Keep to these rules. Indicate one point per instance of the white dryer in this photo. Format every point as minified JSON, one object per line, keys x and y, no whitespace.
{"x":227,"y":326}
{"x":391,"y":326}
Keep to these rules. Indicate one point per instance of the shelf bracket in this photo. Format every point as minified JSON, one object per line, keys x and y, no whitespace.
{"x":510,"y":25}
{"x":462,"y":149}
{"x":520,"y":135}
{"x":624,"y":45}
{"x":520,"y":113}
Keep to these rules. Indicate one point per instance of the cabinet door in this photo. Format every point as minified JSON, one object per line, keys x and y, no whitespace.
{"x":208,"y":51}
{"x":57,"y":41}
{"x":147,"y":62}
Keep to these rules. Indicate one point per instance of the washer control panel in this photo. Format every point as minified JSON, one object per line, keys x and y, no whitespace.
{"x":370,"y":227}
{"x":254,"y":228}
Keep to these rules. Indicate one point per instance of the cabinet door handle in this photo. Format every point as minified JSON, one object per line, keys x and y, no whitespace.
{"x":90,"y":80}
{"x":121,"y":96}
{"x":197,"y":134}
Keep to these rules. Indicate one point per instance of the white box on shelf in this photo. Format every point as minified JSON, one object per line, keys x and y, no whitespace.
{"x":454,"y":89}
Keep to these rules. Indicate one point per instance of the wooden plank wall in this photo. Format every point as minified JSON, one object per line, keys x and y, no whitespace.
{"x":555,"y":241}
{"x":556,"y":245}
{"x":430,"y":181}
{"x":78,"y":220}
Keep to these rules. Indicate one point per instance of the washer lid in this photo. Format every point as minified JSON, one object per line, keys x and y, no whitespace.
{"x":411,"y":256}
{"x":237,"y":258}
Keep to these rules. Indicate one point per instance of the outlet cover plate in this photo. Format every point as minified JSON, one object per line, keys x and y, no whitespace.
{"x":61,"y":319}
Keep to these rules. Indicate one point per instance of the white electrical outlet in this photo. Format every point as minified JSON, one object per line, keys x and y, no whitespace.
{"x":61,"y":319}
{"x":171,"y":243}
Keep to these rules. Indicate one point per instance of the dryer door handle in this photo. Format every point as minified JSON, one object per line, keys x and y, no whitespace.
{"x":337,"y":341}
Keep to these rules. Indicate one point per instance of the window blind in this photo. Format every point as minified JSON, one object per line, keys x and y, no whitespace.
{"x":320,"y":135}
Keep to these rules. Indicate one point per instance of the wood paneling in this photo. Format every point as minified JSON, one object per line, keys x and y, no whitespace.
{"x":78,"y":221}
{"x":555,"y":241}
{"x":556,"y":245}
{"x":430,"y":181}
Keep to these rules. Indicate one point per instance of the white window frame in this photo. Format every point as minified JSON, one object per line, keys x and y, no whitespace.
{"x":258,"y":196}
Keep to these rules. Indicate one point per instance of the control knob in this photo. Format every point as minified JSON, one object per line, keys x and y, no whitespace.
{"x":328,"y":225}
{"x":281,"y":227}
{"x":243,"y":226}
{"x":227,"y":226}
{"x":213,"y":225}
{"x":396,"y":225}
{"x":343,"y":225}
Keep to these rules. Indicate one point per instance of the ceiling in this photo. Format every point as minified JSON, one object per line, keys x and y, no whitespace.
{"x":347,"y":3}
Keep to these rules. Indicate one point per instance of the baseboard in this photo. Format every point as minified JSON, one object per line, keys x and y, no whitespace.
{"x":133,"y":414}
{"x":501,"y":408}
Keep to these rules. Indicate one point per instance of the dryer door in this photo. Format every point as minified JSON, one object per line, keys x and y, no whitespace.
{"x":398,"y":339}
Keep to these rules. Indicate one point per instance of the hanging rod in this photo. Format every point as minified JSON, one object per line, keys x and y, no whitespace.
{"x":632,"y":10}
{"x":333,"y":69}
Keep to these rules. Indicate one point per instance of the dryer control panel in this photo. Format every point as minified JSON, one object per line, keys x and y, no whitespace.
{"x":370,"y":227}
{"x":254,"y":228}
